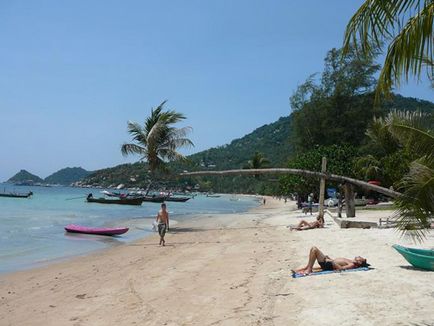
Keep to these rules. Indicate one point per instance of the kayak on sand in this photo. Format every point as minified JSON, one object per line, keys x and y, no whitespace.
{"x":91,"y":230}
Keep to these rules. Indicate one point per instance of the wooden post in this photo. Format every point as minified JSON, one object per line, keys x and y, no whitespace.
{"x":322,"y":187}
{"x":350,"y":203}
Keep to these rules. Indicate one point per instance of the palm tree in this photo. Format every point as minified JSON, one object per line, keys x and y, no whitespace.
{"x":368,"y":167}
{"x":157,"y":141}
{"x":406,"y":26}
{"x":416,"y":205}
{"x":257,"y":161}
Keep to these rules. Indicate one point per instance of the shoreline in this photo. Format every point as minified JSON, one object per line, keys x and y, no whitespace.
{"x":140,"y":228}
{"x":231,"y":269}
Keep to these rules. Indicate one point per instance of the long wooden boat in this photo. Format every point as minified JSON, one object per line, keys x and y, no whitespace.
{"x":177,"y":199}
{"x":153,"y":199}
{"x":91,"y":230}
{"x":16,"y":195}
{"x":420,"y":258}
{"x":121,"y":201}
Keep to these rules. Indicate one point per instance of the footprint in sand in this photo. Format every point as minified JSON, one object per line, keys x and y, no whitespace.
{"x":81,"y":296}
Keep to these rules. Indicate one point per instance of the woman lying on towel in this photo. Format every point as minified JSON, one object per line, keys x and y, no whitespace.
{"x":328,"y":264}
{"x":304,"y":225}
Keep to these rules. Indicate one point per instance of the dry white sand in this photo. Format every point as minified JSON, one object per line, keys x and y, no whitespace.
{"x":226,"y":270}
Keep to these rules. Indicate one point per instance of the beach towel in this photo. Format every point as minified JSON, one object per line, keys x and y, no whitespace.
{"x":360,"y":269}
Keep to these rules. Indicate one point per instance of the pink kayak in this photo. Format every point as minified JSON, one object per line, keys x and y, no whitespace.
{"x":100,"y":231}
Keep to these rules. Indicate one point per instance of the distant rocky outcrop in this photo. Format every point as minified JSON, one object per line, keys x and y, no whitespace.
{"x":25,"y":177}
{"x":67,"y":176}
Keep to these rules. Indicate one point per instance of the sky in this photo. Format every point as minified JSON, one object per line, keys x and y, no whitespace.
{"x":72,"y":73}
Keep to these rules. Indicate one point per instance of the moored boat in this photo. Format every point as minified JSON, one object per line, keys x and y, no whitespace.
{"x":177,"y":199}
{"x":153,"y":199}
{"x":420,"y":258}
{"x":121,"y":201}
{"x":16,"y":195}
{"x":91,"y":230}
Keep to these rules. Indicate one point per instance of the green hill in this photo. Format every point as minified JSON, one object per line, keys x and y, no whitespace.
{"x":272,"y":140}
{"x":129,"y":174}
{"x":25,"y":177}
{"x":269,"y":139}
{"x":67,"y":176}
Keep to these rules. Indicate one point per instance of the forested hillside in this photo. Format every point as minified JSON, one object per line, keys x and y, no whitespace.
{"x":25,"y":176}
{"x":67,"y":176}
{"x":272,"y":140}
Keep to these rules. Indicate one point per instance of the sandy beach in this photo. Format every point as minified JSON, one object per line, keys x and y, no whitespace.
{"x":227,"y":270}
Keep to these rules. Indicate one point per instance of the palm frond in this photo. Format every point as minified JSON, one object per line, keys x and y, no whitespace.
{"x":128,"y":149}
{"x":416,"y":205}
{"x":368,"y":167}
{"x":136,"y":131}
{"x":405,"y":53}
{"x":412,"y":129}
{"x":407,"y":23}
{"x":158,"y":140}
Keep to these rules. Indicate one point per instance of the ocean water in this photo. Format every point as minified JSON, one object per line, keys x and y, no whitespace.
{"x":32,"y":230}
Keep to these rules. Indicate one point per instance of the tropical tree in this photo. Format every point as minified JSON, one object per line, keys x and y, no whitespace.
{"x":416,"y":205}
{"x":336,"y":107}
{"x":406,"y":27}
{"x":258,"y":161}
{"x":158,"y":141}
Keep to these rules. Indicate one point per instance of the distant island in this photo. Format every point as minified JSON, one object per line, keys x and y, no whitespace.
{"x":65,"y":177}
{"x":25,"y":178}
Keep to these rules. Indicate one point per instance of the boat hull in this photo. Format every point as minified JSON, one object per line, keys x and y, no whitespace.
{"x":16,"y":195}
{"x":121,"y":201}
{"x":98,"y":231}
{"x":420,"y":258}
{"x":178,"y":199}
{"x":153,"y":199}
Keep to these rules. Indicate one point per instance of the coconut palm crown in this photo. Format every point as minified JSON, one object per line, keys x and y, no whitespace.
{"x":406,"y":27}
{"x":158,"y":141}
{"x":415,"y":131}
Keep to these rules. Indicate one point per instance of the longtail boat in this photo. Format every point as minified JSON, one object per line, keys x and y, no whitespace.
{"x":121,"y":201}
{"x":420,"y":258}
{"x":153,"y":199}
{"x":16,"y":195}
{"x":177,"y":199}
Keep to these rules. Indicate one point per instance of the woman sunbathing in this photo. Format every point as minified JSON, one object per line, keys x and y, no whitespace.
{"x":304,"y":225}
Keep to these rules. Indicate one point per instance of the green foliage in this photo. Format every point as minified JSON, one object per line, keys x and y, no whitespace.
{"x":67,"y":176}
{"x":157,"y":141}
{"x":405,"y":28}
{"x":338,"y":109}
{"x":132,"y":175}
{"x":258,"y":161}
{"x":272,"y":141}
{"x":416,"y":206}
{"x":25,"y":176}
{"x":339,"y":161}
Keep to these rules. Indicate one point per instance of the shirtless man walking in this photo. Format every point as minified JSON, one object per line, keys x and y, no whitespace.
{"x":163,"y":223}
{"x":328,"y":264}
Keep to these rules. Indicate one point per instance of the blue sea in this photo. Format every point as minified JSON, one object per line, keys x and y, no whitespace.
{"x":32,"y":230}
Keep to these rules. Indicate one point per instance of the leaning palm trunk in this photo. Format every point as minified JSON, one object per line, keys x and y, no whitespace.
{"x":306,"y":173}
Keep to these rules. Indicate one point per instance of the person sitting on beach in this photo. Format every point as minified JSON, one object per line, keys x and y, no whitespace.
{"x":305,"y":225}
{"x":328,"y":264}
{"x":163,"y":223}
